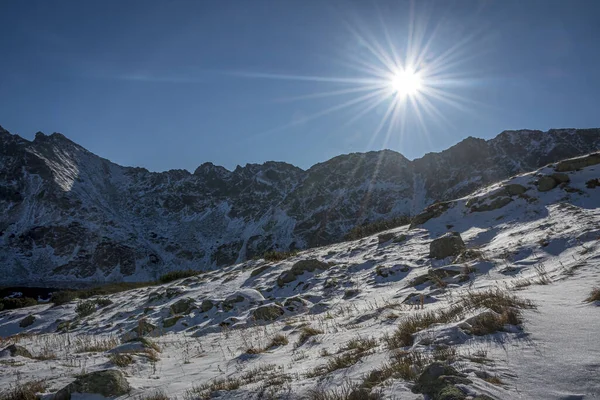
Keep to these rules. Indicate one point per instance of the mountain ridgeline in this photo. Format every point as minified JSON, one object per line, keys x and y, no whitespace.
{"x":68,"y":215}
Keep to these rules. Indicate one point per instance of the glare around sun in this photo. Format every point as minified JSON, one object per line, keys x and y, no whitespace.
{"x":406,"y":82}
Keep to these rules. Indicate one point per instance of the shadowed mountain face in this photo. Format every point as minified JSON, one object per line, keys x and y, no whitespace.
{"x":69,"y":215}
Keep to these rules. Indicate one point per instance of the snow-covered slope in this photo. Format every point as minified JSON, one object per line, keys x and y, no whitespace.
{"x":369,"y":316}
{"x":70,"y":216}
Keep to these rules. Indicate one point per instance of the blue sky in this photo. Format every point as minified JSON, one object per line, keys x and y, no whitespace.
{"x":172,"y":84}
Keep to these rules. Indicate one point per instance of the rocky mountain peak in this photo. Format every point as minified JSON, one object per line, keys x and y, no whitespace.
{"x":67,"y":214}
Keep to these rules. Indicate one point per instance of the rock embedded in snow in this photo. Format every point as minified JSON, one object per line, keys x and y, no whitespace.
{"x":15,"y":350}
{"x":546,"y":183}
{"x":302,"y":266}
{"x":437,"y":381}
{"x":433,"y":211}
{"x":561,"y":177}
{"x":268,"y":312}
{"x":385,"y":237}
{"x":206,"y":305}
{"x":27,"y":321}
{"x":182,"y":306}
{"x":514,"y":189}
{"x":497,"y":203}
{"x":574,"y":164}
{"x":449,"y":244}
{"x":108,"y":383}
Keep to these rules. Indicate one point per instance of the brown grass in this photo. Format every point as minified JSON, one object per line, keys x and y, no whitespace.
{"x":92,"y":344}
{"x":23,"y":391}
{"x":594,"y":295}
{"x":412,"y":324}
{"x":121,"y":360}
{"x":278,"y":340}
{"x":158,"y":394}
{"x":306,"y":333}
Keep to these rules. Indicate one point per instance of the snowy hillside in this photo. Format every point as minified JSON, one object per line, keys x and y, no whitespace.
{"x":487,"y":296}
{"x":68,"y":216}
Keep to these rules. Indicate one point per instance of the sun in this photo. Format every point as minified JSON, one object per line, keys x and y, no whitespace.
{"x":406,"y":82}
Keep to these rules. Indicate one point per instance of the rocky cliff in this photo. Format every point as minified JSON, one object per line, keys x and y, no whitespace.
{"x":69,"y":215}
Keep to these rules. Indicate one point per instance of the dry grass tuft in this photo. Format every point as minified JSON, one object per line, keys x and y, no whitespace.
{"x":346,"y":392}
{"x":121,"y":360}
{"x":306,"y":333}
{"x":23,"y":391}
{"x":594,"y":295}
{"x":158,"y":394}
{"x":412,"y":324}
{"x":351,"y":353}
{"x":278,"y":340}
{"x":496,"y":300}
{"x":494,"y":380}
{"x":89,"y":344}
{"x":267,"y":372}
{"x":488,"y":323}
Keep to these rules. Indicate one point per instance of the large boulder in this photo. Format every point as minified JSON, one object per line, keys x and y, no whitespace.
{"x":269,"y":312}
{"x":299,"y":268}
{"x":27,"y":321}
{"x":15,"y":350}
{"x":578,"y":163}
{"x":108,"y":383}
{"x":546,"y":183}
{"x":450,"y":244}
{"x":206,"y":305}
{"x":561,"y":177}
{"x":514,"y":189}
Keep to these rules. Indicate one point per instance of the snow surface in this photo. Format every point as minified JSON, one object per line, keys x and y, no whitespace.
{"x":551,"y":237}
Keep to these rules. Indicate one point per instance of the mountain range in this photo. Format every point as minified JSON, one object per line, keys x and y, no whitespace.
{"x":68,"y":215}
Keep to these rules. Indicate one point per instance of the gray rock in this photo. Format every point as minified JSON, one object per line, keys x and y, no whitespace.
{"x":433,"y":211}
{"x":546,"y":183}
{"x":561,"y":177}
{"x":299,"y":268}
{"x":27,"y":321}
{"x":269,"y":312}
{"x":169,"y":322}
{"x":182,"y":306}
{"x":108,"y":383}
{"x":259,"y":270}
{"x":294,"y":303}
{"x":514,"y":189}
{"x":574,"y":164}
{"x":206,"y":305}
{"x":497,"y":203}
{"x":385,"y":237}
{"x":449,"y":244}
{"x":437,"y":381}
{"x":16,"y":350}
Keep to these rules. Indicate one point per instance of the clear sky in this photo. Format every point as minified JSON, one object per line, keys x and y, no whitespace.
{"x":172,"y":84}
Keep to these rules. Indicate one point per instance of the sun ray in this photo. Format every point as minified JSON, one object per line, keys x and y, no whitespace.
{"x":330,"y":93}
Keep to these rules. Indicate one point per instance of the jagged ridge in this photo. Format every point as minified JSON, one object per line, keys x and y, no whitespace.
{"x":69,"y":215}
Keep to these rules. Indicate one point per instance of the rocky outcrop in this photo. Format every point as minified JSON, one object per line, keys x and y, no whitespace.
{"x":108,"y":383}
{"x":449,"y":244}
{"x":578,"y":163}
